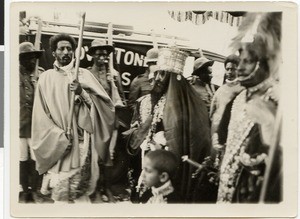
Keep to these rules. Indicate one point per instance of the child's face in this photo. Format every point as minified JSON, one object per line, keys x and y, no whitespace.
{"x":151,"y":176}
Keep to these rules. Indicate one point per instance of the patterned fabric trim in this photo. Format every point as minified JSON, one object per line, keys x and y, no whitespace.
{"x":159,"y":194}
{"x":145,"y":108}
{"x":238,"y":131}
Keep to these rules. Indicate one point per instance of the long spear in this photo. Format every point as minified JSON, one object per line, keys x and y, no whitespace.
{"x":273,"y":146}
{"x":115,"y":96}
{"x":37,"y":43}
{"x":76,"y":75}
{"x":70,"y":116}
{"x":71,"y":112}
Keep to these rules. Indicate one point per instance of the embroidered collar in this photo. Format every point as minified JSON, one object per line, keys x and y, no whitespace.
{"x":263,"y":86}
{"x":163,"y":190}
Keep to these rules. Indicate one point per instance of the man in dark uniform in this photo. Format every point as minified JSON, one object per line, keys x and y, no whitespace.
{"x":201,"y":80}
{"x":141,"y":86}
{"x":28,"y":77}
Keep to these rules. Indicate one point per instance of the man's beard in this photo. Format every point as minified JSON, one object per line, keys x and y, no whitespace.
{"x":159,"y":89}
{"x":64,"y":60}
{"x":155,"y":97}
{"x":156,"y":93}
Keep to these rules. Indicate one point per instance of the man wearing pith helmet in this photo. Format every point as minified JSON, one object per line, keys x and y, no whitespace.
{"x":171,"y":118}
{"x":141,"y":85}
{"x":101,"y":68}
{"x":201,"y":81}
{"x":109,"y":78}
{"x":28,"y":56}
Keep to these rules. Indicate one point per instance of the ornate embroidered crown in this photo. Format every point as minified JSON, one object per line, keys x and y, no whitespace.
{"x":171,"y":59}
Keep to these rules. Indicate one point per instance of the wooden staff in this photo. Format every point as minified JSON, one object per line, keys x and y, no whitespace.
{"x":115,"y":96}
{"x":186,"y":158}
{"x":70,"y":116}
{"x":272,"y":151}
{"x":37,"y":44}
{"x":71,"y":112}
{"x":69,"y":128}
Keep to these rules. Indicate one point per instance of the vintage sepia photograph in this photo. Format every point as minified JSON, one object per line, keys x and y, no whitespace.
{"x":139,"y":104}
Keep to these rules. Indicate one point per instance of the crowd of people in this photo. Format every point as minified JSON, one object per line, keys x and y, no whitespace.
{"x":188,"y":141}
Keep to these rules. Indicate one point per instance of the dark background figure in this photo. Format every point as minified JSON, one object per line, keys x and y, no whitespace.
{"x":140,"y":85}
{"x":29,"y":177}
{"x":230,"y":64}
{"x":201,"y":79}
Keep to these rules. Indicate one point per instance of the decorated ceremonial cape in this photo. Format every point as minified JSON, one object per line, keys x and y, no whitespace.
{"x":50,"y":120}
{"x":249,"y":135}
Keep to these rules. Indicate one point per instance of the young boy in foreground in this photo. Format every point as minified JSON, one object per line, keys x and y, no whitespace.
{"x":159,"y":169}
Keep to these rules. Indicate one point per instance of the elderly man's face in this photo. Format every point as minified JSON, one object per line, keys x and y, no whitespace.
{"x":63,"y":53}
{"x":161,"y":81}
{"x":247,"y":69}
{"x":230,"y":71}
{"x":100,"y":57}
